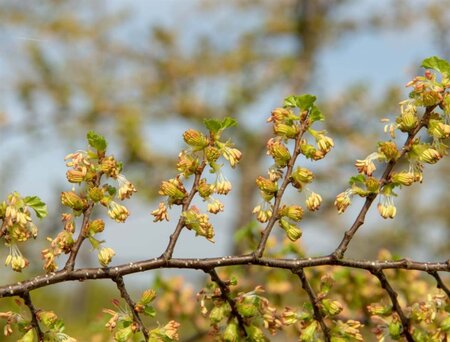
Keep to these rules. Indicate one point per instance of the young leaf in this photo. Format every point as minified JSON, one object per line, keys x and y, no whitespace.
{"x":436,"y":63}
{"x":357,"y":179}
{"x":212,"y":125}
{"x":97,"y":141}
{"x":39,"y":207}
{"x":303,"y":102}
{"x":316,"y":114}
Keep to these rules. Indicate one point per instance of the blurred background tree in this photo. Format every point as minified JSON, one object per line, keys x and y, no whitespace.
{"x":141,"y":73}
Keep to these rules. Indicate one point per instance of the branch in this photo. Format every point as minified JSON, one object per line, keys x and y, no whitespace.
{"x":180,"y":225}
{"x":274,"y":218}
{"x":313,"y":299}
{"x":397,"y":308}
{"x":207,"y":264}
{"x":225,"y":293}
{"x":124,"y":294}
{"x":70,"y":264}
{"x":359,"y":221}
{"x":34,"y":320}
{"x":440,"y":282}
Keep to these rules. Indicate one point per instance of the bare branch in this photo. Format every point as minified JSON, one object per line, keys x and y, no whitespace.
{"x":124,"y":294}
{"x":206,"y":264}
{"x":70,"y":264}
{"x":180,"y":225}
{"x":265,"y":234}
{"x":313,"y":299}
{"x":440,"y":282}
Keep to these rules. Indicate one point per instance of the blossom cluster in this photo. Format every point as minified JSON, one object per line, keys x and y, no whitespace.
{"x":86,"y":170}
{"x":293,"y":135}
{"x":202,"y":151}
{"x":432,"y":96}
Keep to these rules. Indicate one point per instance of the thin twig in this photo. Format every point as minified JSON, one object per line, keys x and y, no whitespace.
{"x":313,"y":299}
{"x":225,"y":293}
{"x":180,"y":225}
{"x":16,"y":289}
{"x":440,"y":282}
{"x":34,"y":320}
{"x":359,"y":221}
{"x":287,"y":179}
{"x":124,"y":294}
{"x":70,"y":264}
{"x":397,"y":308}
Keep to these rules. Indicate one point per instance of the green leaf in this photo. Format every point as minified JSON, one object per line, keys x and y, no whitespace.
{"x":228,"y":122}
{"x":149,"y":311}
{"x":39,"y":207}
{"x":212,"y":125}
{"x":357,"y":179}
{"x":215,"y":126}
{"x":303,"y":102}
{"x":436,"y":63}
{"x":96,"y":141}
{"x":316,"y":114}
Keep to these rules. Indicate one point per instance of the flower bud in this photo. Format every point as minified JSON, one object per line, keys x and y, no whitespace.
{"x":147,"y":297}
{"x":372,"y":184}
{"x":342,"y":201}
{"x":105,"y":256}
{"x":308,"y":334}
{"x":430,"y":156}
{"x":266,"y":185}
{"x":231,"y":333}
{"x":403,"y":178}
{"x":218,"y":313}
{"x":279,"y":115}
{"x":389,"y":150}
{"x":407,"y":121}
{"x":96,"y":226}
{"x":279,"y":152}
{"x":395,"y":328}
{"x":160,"y":213}
{"x":110,"y":167}
{"x":212,"y":153}
{"x":313,"y":201}
{"x":204,"y":189}
{"x":76,"y":175}
{"x":117,"y":212}
{"x":96,"y":194}
{"x":324,"y":143}
{"x":285,"y":131}
{"x":294,"y":212}
{"x":72,"y":200}
{"x":174,"y":189}
{"x":293,"y":232}
{"x":301,"y":176}
{"x":379,"y":310}
{"x":187,"y":164}
{"x":331,"y":307}
{"x":195,"y":139}
{"x":255,"y":334}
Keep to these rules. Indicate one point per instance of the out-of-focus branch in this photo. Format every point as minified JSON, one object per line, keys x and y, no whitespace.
{"x":124,"y":294}
{"x":225,"y":293}
{"x":34,"y":321}
{"x":440,"y":282}
{"x":397,"y":308}
{"x":313,"y":299}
